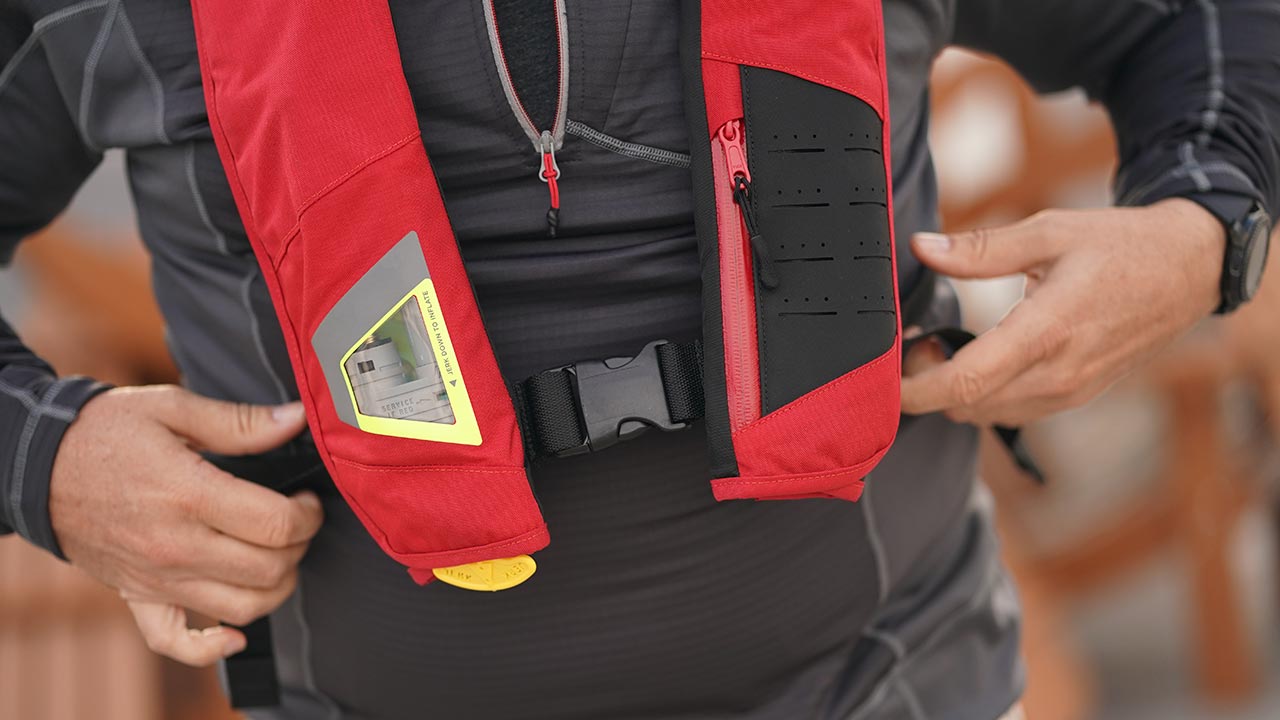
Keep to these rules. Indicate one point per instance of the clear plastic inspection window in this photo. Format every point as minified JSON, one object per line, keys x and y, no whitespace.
{"x":395,"y":372}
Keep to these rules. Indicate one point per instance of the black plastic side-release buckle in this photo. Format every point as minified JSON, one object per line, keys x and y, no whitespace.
{"x":620,"y":398}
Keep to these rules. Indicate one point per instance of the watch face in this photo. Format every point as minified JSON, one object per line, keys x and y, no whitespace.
{"x":1255,"y":255}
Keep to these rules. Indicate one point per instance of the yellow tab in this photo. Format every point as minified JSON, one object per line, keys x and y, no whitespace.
{"x":490,"y":575}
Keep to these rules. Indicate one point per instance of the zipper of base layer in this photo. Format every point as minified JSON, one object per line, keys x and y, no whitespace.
{"x":545,"y":142}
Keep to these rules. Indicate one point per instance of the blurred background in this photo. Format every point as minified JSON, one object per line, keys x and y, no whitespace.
{"x":1148,"y":567}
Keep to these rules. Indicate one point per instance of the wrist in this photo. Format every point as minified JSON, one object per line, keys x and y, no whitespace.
{"x":1203,"y":237}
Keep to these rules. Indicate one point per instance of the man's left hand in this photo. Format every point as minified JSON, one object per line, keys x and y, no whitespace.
{"x":1106,"y":290}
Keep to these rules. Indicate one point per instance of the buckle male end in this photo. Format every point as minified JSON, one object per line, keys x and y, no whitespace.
{"x":620,"y":398}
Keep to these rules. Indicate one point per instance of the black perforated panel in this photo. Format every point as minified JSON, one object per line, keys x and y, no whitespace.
{"x":818,"y":189}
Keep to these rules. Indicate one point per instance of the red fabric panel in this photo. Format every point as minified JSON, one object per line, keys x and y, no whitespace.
{"x":822,"y":444}
{"x":316,"y":130}
{"x":722,"y":86}
{"x":840,"y":45}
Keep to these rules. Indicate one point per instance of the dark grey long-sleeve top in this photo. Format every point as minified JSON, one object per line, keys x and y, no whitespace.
{"x":1193,"y":87}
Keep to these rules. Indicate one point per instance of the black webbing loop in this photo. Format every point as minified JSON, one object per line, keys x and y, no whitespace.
{"x":551,"y":412}
{"x":681,"y":367}
{"x":251,"y":673}
{"x":952,"y":339}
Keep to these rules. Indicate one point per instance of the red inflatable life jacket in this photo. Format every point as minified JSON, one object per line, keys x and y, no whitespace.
{"x":788,"y":114}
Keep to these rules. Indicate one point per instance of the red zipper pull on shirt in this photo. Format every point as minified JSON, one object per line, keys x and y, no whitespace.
{"x":550,"y":174}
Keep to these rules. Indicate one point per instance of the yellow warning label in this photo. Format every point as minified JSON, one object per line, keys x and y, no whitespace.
{"x":490,"y":575}
{"x":417,"y":392}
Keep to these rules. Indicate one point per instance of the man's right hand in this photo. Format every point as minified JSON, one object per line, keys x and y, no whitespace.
{"x":134,"y":504}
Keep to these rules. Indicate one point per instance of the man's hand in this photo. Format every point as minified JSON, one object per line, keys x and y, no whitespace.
{"x":133,"y":504}
{"x":1106,"y":289}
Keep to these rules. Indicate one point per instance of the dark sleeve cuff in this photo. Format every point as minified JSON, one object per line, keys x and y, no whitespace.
{"x":1228,"y":208}
{"x":39,"y":412}
{"x":1216,"y":185}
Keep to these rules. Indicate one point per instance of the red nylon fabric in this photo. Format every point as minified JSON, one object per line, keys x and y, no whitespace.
{"x":317,"y":132}
{"x":823,"y":444}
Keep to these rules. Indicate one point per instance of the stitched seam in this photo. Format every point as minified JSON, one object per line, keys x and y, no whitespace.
{"x":24,"y":449}
{"x":359,"y":167}
{"x":221,"y":241}
{"x":1217,"y":73}
{"x":38,"y":30}
{"x":308,"y":669}
{"x":979,"y":597}
{"x":628,"y":149}
{"x":90,"y":71}
{"x":909,"y":699}
{"x":1213,"y":98}
{"x":428,"y":468}
{"x":876,"y":544}
{"x":519,"y":539}
{"x":789,"y":480}
{"x":1209,"y":168}
{"x":792,"y":71}
{"x":148,"y":72}
{"x":829,"y":387}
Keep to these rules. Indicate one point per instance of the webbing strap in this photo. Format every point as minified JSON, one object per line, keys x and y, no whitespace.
{"x":251,"y":675}
{"x":952,"y":339}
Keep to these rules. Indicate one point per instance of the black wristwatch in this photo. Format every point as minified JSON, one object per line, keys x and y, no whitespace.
{"x":1248,"y":237}
{"x":1248,"y":241}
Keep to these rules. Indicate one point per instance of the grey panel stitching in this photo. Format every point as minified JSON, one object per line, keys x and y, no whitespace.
{"x":148,"y":71}
{"x":38,"y":30}
{"x":308,"y":671}
{"x":909,"y":698}
{"x":91,"y":70}
{"x":22,"y":395}
{"x":1181,"y":171}
{"x":44,"y":409}
{"x":878,"y":695}
{"x":245,"y":284}
{"x":893,"y":643}
{"x":1187,"y":152}
{"x":30,"y":404}
{"x":877,"y":549}
{"x":1213,"y":98}
{"x":1217,"y":73}
{"x":629,"y":149}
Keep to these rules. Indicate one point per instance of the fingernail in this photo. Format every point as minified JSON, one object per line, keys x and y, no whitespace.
{"x":933,"y":242}
{"x":306,"y":497}
{"x":233,"y":644}
{"x":288,"y":414}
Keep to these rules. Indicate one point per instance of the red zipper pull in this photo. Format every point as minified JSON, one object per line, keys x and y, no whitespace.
{"x":733,"y":140}
{"x":735,"y":150}
{"x":550,"y":174}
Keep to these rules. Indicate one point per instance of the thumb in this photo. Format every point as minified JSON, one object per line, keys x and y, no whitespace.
{"x":229,"y":428}
{"x":986,"y":252}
